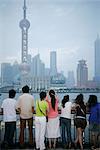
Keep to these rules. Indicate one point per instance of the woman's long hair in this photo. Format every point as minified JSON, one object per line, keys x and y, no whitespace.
{"x":79,"y":100}
{"x":64,"y":100}
{"x":53,"y":99}
{"x":92,"y":101}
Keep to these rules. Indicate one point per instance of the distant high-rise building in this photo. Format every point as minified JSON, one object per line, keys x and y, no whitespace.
{"x":37,"y":67}
{"x":70,"y":79}
{"x":53,"y":63}
{"x":97,"y":59}
{"x":6,"y":74}
{"x":82,"y":74}
{"x":47,"y":72}
{"x":16,"y":72}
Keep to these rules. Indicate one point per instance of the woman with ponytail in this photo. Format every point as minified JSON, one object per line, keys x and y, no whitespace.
{"x":53,"y":129}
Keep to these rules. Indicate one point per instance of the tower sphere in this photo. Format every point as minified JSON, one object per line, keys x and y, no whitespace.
{"x":24,"y":23}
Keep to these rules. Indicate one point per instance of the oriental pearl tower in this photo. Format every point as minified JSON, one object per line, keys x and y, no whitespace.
{"x":24,"y":25}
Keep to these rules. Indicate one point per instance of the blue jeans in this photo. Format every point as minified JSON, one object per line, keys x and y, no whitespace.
{"x":65,"y":128}
{"x":10,"y":128}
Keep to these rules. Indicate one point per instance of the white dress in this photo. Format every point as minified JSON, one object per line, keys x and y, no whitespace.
{"x":53,"y":128}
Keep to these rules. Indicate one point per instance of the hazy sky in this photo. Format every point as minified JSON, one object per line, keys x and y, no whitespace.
{"x":68,"y":26}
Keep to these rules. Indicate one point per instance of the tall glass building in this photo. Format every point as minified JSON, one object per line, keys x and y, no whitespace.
{"x":97,"y":59}
{"x":82,"y":74}
{"x":6,"y":74}
{"x":53,"y":63}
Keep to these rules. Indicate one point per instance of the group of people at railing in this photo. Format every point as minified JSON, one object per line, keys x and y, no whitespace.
{"x":47,"y":122}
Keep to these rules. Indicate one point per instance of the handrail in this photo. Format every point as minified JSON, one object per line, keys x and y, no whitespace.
{"x":59,"y":111}
{"x":85,"y":137}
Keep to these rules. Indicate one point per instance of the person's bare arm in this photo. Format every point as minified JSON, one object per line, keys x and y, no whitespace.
{"x":18,"y":110}
{"x":33,"y":110}
{"x":1,"y":111}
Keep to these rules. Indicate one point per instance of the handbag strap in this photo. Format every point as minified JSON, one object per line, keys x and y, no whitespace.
{"x":82,"y":111}
{"x":41,"y":110}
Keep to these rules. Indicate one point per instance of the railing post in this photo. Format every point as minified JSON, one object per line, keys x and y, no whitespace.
{"x":0,"y":130}
{"x":16,"y":132}
{"x":83,"y":137}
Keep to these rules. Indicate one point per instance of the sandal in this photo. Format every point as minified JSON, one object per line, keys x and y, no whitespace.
{"x":93,"y":148}
{"x":69,"y":146}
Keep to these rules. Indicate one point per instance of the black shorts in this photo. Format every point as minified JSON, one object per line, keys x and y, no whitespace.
{"x":80,"y":123}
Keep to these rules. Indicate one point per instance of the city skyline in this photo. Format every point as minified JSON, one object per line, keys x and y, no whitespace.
{"x":68,"y":27}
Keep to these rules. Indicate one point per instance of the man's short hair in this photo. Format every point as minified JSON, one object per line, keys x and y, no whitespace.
{"x":25,"y":89}
{"x":12,"y":93}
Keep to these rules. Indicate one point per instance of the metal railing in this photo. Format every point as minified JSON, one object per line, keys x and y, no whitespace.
{"x":16,"y":137}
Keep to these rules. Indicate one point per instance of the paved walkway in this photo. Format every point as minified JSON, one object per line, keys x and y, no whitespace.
{"x":16,"y":147}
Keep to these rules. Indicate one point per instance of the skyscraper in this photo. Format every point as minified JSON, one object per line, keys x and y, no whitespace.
{"x":37,"y":67}
{"x":6,"y":74}
{"x":97,"y":59}
{"x":82,"y":74}
{"x":70,"y":79}
{"x":53,"y":63}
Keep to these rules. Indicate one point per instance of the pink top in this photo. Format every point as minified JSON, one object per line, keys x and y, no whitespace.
{"x":52,"y":113}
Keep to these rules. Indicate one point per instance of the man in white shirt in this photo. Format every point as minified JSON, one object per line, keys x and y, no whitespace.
{"x":25,"y":105}
{"x":9,"y":116}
